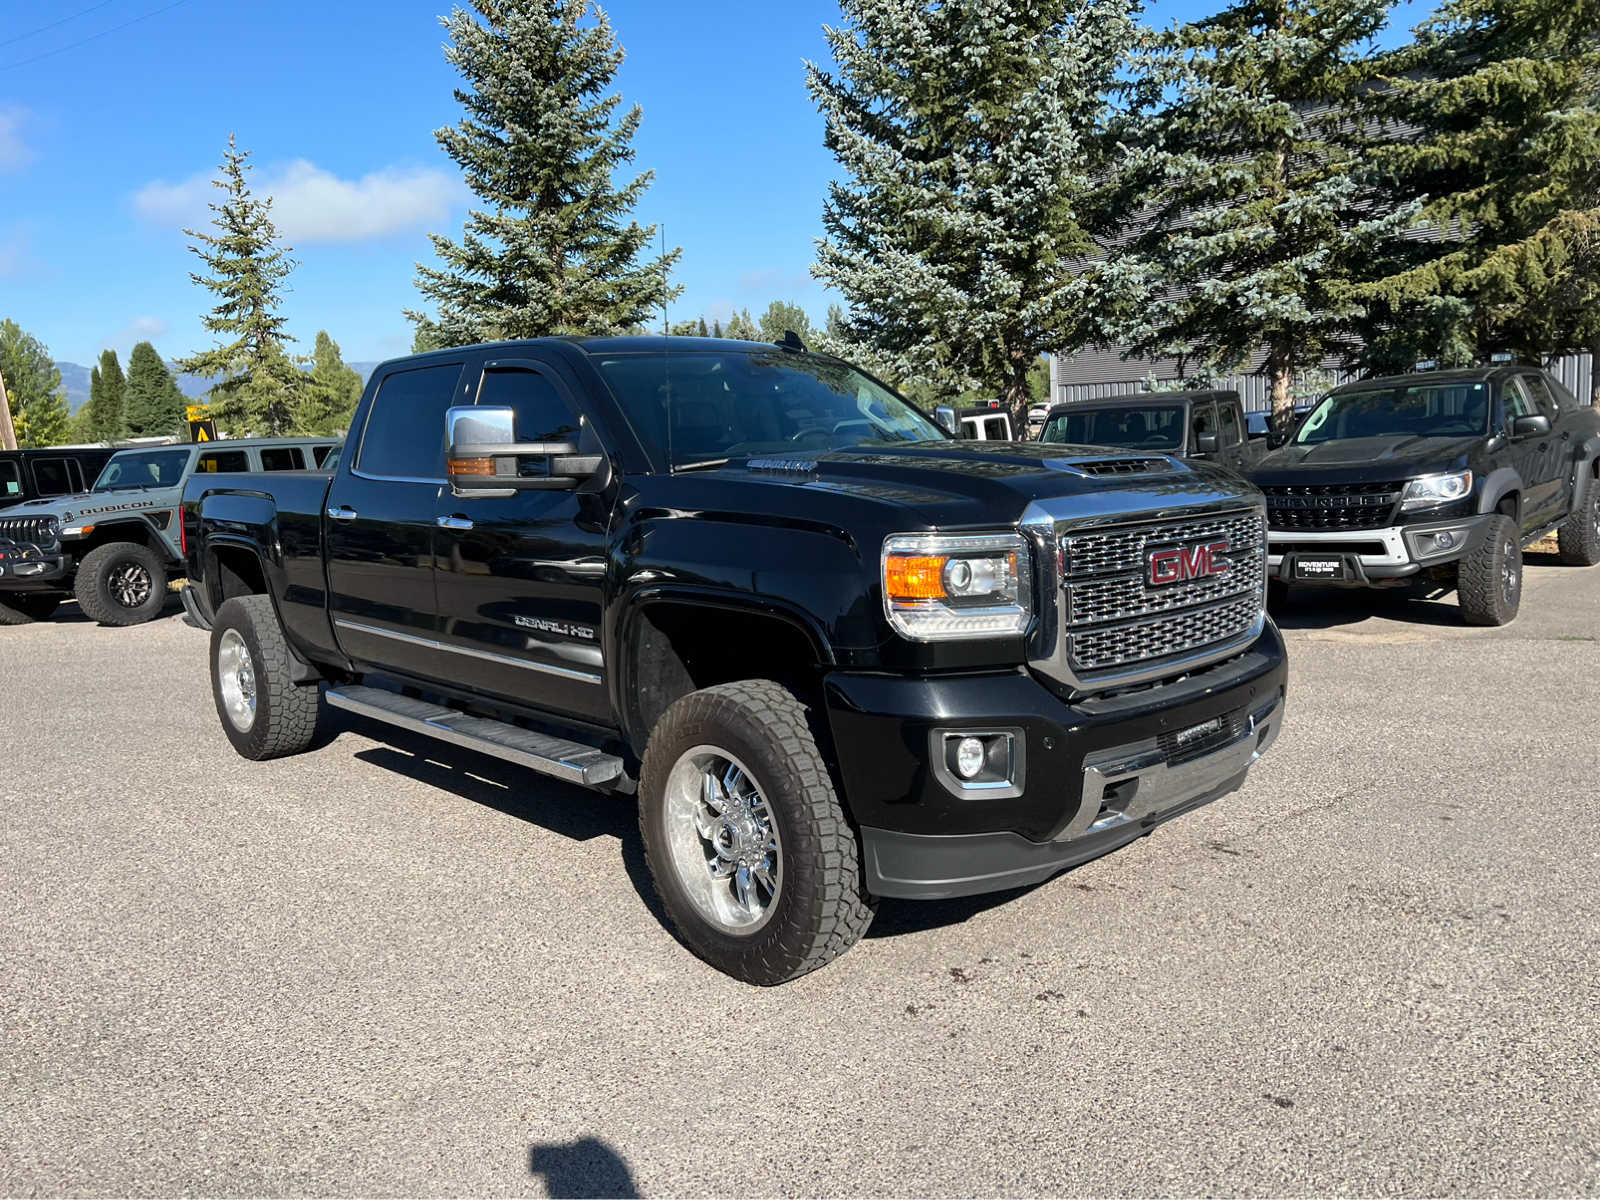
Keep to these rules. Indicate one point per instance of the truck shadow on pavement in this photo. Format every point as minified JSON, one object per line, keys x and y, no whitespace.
{"x":579,"y":814}
{"x":586,"y":1167}
{"x":70,"y":614}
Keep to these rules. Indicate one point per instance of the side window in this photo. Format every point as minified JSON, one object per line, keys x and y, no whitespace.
{"x":1203,"y":419}
{"x":1518,"y":402}
{"x":282,"y":458}
{"x":223,"y":460}
{"x":996,"y":427}
{"x":320,"y":453}
{"x":56,"y":476}
{"x":1541,"y":395}
{"x":404,"y":436}
{"x":10,"y":478}
{"x":543,"y":413}
{"x":1231,"y":434}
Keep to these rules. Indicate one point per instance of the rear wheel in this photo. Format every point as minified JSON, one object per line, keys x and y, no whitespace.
{"x":1579,"y":536}
{"x":752,"y":854}
{"x":22,"y":608}
{"x":1489,"y":581}
{"x":264,"y":711}
{"x":121,"y":583}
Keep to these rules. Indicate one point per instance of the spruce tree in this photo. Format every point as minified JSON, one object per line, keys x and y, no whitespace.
{"x":107,"y":420}
{"x":258,"y":386}
{"x":1260,"y":211}
{"x":716,"y":328}
{"x":332,"y":391}
{"x":155,"y":406}
{"x":552,"y":249}
{"x":33,"y":389}
{"x":780,"y":318}
{"x":740,"y":327}
{"x":1499,"y":101}
{"x":972,"y":137}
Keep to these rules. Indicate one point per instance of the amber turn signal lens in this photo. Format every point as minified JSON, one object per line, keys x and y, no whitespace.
{"x":915,"y":577}
{"x":471,"y":466}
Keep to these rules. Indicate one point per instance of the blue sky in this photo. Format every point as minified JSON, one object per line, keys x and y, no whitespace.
{"x":112,"y":121}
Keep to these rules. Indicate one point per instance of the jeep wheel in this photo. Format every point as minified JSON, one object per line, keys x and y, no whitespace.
{"x":1579,"y":536}
{"x":264,"y":712}
{"x":121,"y":583}
{"x":23,"y":608}
{"x":1489,"y":581}
{"x":754,"y":859}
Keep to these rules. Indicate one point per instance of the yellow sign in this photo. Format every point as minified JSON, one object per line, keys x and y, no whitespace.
{"x":199,"y":412}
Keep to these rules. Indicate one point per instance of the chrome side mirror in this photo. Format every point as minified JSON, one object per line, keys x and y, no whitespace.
{"x":945,"y":418}
{"x":485,"y":458}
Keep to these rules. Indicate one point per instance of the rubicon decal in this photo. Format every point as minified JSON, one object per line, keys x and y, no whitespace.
{"x":1183,"y":563}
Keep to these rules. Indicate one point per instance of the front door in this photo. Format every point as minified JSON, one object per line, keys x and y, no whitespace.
{"x":1533,"y":457}
{"x":1555,"y":480}
{"x":380,"y":525}
{"x":521,"y":577}
{"x":1202,"y":419}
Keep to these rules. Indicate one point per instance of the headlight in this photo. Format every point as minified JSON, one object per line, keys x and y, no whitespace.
{"x":1430,"y":490}
{"x":939,"y":587}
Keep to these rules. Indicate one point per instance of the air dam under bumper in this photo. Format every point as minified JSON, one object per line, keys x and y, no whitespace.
{"x":1126,"y":792}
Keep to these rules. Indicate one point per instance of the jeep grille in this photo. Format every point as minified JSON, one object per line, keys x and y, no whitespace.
{"x":40,"y":531}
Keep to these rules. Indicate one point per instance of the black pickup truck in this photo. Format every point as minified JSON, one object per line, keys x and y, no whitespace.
{"x":1208,"y":426}
{"x":838,"y":654}
{"x":1435,"y":479}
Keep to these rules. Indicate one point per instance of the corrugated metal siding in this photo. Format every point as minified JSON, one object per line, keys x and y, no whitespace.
{"x":1094,"y":375}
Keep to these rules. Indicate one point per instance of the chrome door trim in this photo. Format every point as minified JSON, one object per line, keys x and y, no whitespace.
{"x":412,"y":639}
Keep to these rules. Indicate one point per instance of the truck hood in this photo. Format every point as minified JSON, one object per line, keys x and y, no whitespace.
{"x":944,"y":484}
{"x":86,"y":504}
{"x":1364,"y":460}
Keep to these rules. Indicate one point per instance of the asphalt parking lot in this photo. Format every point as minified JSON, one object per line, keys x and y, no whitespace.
{"x":389,"y":967}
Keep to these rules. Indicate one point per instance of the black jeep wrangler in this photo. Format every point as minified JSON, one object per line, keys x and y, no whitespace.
{"x":1439,"y":477}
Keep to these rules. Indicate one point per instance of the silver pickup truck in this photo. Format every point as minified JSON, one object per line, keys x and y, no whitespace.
{"x":114,"y":546}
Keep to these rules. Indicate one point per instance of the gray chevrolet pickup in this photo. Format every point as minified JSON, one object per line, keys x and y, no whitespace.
{"x":115,"y":546}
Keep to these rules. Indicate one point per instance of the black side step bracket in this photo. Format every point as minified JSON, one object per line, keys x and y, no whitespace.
{"x":571,"y":761}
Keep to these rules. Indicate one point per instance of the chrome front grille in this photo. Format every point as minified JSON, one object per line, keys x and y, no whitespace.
{"x":40,"y":531}
{"x":1117,"y":623}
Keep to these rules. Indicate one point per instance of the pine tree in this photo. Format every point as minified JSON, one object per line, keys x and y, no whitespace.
{"x":155,"y":405}
{"x":107,"y":420}
{"x":1252,"y":169}
{"x":258,"y":386}
{"x":33,"y":389}
{"x":780,"y":318}
{"x":702,"y":331}
{"x":971,"y":134}
{"x":716,"y":328}
{"x":1500,"y":102}
{"x":553,"y":249}
{"x":741,"y":328}
{"x":332,"y":391}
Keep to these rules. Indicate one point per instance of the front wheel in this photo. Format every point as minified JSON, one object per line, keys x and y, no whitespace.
{"x":121,"y":583}
{"x":1489,"y":580}
{"x":264,"y":711}
{"x":755,"y":861}
{"x":1579,"y":537}
{"x":22,"y":608}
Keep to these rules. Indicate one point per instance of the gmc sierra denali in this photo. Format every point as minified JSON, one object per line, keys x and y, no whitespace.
{"x":838,"y":654}
{"x":1438,"y":479}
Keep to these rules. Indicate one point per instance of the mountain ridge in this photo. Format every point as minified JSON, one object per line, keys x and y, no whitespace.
{"x":75,"y":381}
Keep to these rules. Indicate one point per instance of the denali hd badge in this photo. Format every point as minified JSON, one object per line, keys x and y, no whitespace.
{"x":1183,"y":563}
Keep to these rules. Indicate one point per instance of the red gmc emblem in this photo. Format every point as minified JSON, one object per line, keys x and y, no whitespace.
{"x":1187,"y":562}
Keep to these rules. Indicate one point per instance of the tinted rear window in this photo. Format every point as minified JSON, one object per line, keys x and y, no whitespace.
{"x":282,"y":458}
{"x":10,"y":479}
{"x":224,"y":460}
{"x":404,"y":436}
{"x":56,"y":476}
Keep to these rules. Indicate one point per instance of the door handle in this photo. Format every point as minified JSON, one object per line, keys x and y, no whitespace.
{"x":343,"y":513}
{"x":453,"y":523}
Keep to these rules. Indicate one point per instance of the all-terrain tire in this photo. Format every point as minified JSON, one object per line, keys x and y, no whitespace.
{"x":821,"y":908}
{"x":1489,"y":580}
{"x":1579,"y":536}
{"x":23,"y":608}
{"x":121,"y":583}
{"x":282,"y":717}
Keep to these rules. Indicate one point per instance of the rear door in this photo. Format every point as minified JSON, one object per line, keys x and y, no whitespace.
{"x":380,"y":523}
{"x":520,"y":577}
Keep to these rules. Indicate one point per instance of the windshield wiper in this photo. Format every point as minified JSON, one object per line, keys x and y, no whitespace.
{"x":701,"y":465}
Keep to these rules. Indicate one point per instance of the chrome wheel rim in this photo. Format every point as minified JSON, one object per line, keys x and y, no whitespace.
{"x":1594,"y":511}
{"x":1510,"y":570}
{"x":236,"y":674}
{"x":129,"y":584}
{"x":723,"y":840}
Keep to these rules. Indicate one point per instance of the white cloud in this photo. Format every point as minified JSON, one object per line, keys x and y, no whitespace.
{"x":140,"y":329}
{"x":311,"y":204}
{"x":14,"y":152}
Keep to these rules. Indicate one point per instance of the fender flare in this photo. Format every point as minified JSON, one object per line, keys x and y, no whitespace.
{"x":1496,"y":485}
{"x":1584,"y":468}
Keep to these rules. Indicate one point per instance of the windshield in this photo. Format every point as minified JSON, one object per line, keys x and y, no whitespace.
{"x":141,"y":469}
{"x":1159,"y":427}
{"x":734,"y":405}
{"x":1424,"y":410}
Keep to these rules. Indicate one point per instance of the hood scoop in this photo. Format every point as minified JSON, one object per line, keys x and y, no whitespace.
{"x":783,"y":466}
{"x":1120,"y":465}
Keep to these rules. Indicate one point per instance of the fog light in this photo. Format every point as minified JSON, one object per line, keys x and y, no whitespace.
{"x":969,"y":757}
{"x":1444,"y":539}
